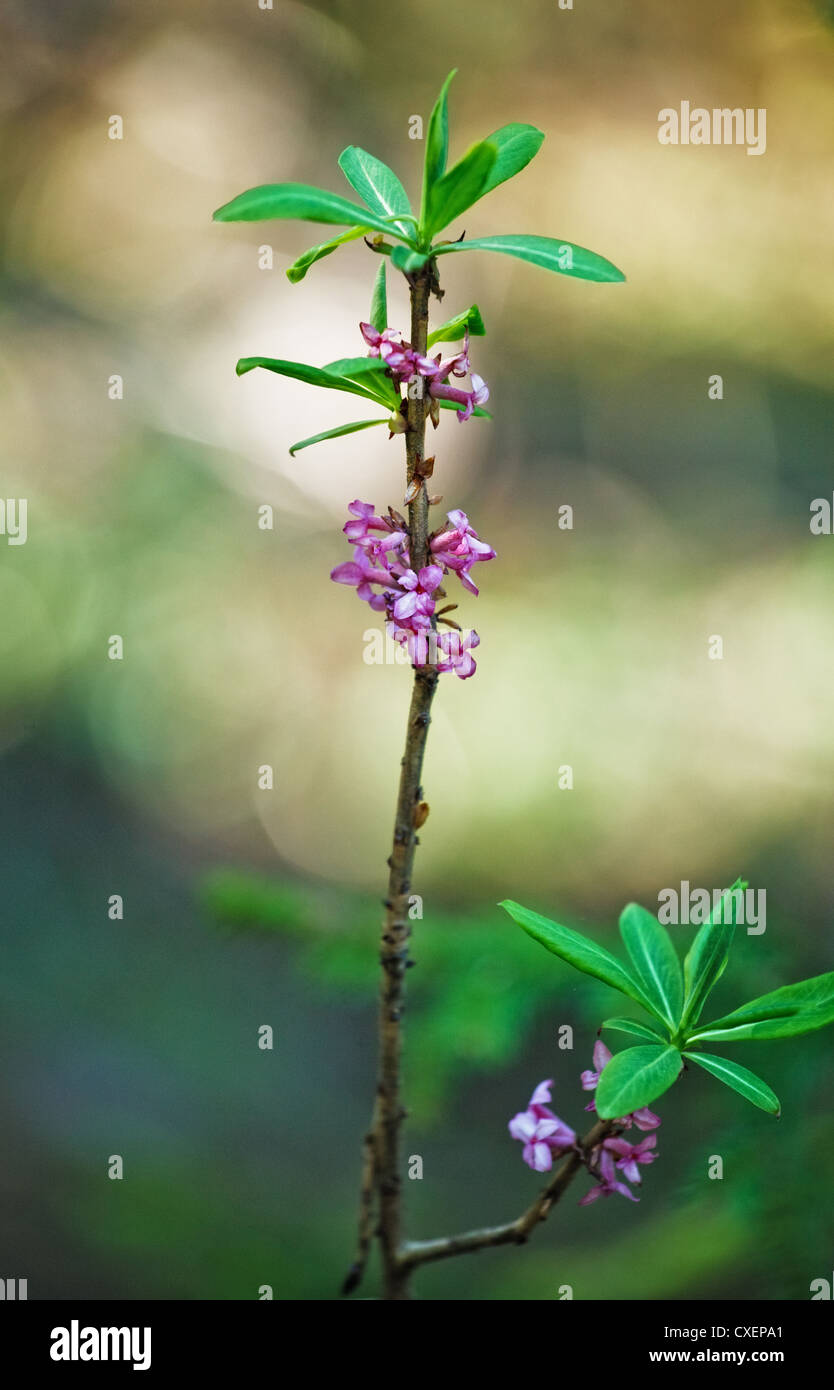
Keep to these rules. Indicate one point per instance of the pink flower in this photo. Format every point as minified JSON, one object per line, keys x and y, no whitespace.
{"x":479,"y":395}
{"x":360,"y":573}
{"x":645,"y":1118}
{"x":381,"y":573}
{"x":590,"y":1079}
{"x":542,"y":1133}
{"x":417,"y":603}
{"x":447,"y":651}
{"x":365,"y":520}
{"x":458,"y":549}
{"x":405,"y":363}
{"x":419,"y":645}
{"x":609,"y":1183}
{"x":399,"y":357}
{"x":456,"y":365}
{"x":359,"y":530}
{"x":380,"y":344}
{"x":455,"y":653}
{"x":632,"y":1155}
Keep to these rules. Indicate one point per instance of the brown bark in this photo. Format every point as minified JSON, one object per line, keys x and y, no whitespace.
{"x":394,"y":946}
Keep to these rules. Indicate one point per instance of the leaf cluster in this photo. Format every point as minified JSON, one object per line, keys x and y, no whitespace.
{"x":672,"y":1000}
{"x":390,"y":226}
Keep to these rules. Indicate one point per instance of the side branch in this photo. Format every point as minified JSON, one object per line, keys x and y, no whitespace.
{"x":366,"y":1210}
{"x":514,"y":1232}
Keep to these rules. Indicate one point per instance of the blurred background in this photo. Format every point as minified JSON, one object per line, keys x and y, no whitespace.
{"x":139,"y":777}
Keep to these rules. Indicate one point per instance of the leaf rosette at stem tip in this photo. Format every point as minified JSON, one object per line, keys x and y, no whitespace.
{"x":674,"y":1000}
{"x":386,"y":216}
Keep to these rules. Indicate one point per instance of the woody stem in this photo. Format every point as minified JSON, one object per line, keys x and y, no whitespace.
{"x":382,"y":1160}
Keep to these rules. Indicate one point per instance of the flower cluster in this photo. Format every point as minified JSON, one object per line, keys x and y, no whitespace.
{"x":542,"y":1133}
{"x":546,"y":1137}
{"x":381,"y":573}
{"x":405,"y":365}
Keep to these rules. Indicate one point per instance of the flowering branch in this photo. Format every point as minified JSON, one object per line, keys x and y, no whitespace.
{"x":398,"y":566}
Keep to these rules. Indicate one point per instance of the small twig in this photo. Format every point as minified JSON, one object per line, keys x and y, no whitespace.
{"x":366,"y":1210}
{"x":514,"y":1232}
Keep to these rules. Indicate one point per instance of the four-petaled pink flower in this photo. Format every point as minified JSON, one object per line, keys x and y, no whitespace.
{"x":359,"y":530}
{"x":417,"y":604}
{"x":455,"y":652}
{"x":380,"y":343}
{"x":644,"y":1118}
{"x":479,"y":395}
{"x":609,"y":1183}
{"x":630,"y":1156}
{"x":365,"y":520}
{"x":460,"y":547}
{"x":542,"y":1133}
{"x":361,"y":573}
{"x":458,"y":365}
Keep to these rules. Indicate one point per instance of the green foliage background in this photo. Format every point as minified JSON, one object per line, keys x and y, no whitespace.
{"x":140,"y":777}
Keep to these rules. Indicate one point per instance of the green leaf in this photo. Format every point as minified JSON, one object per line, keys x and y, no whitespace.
{"x":640,"y":1030}
{"x":379,"y":301}
{"x":635,"y":1078}
{"x":454,"y":329}
{"x":479,"y":410}
{"x":335,"y":433}
{"x":516,"y":145}
{"x":377,"y":185}
{"x":408,"y":261}
{"x":560,"y":256}
{"x":784,"y":1013}
{"x":370,"y":373}
{"x":460,"y":188}
{"x":314,"y":376}
{"x":580,"y":952}
{"x":655,"y":960}
{"x":437,"y":144}
{"x":708,"y":954}
{"x":299,"y":268}
{"x":747,"y":1083}
{"x":357,"y":366}
{"x":301,"y":201}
